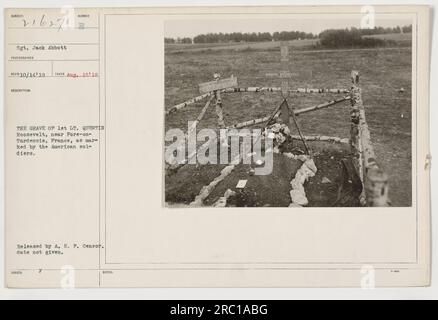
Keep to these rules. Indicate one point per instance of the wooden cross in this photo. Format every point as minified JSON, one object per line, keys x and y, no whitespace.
{"x":285,"y":74}
{"x":286,"y":112}
{"x":218,"y":84}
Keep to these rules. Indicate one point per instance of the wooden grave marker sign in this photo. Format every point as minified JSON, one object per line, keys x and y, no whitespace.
{"x":218,"y":84}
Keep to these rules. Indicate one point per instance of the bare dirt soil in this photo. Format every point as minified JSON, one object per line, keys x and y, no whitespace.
{"x":271,"y":190}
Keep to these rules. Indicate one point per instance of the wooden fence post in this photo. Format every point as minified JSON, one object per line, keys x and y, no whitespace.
{"x":355,"y":140}
{"x":376,"y":188}
{"x":219,"y":110}
{"x":374,"y":179}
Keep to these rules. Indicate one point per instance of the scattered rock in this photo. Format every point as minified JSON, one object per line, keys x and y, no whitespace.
{"x":279,"y":133}
{"x":325,"y":180}
{"x":259,"y":162}
{"x":311,"y":165}
{"x":307,"y":170}
{"x":298,"y":198}
{"x":229,"y":193}
{"x":221,"y":203}
{"x":205,"y":191}
{"x":296,"y":185}
{"x":344,"y":140}
{"x":275,"y":127}
{"x":300,"y":178}
{"x":289,"y":155}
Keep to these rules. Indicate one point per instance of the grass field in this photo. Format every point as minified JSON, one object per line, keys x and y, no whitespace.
{"x":383,"y":72}
{"x":399,"y":39}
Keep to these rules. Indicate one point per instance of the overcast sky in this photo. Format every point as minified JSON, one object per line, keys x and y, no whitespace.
{"x":316,"y":24}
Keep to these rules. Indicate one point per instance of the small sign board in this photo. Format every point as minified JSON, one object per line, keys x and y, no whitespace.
{"x":300,"y":74}
{"x":285,"y":76}
{"x":218,"y":84}
{"x":241,"y":184}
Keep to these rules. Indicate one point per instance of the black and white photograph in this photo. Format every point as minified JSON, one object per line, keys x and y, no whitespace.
{"x":308,"y":112}
{"x":222,"y":147}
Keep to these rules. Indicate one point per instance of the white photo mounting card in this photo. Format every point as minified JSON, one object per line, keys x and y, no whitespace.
{"x":217,"y":147}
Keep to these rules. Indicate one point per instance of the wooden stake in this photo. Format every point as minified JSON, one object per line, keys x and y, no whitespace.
{"x":297,"y":112}
{"x":277,"y":89}
{"x":187,"y":103}
{"x":219,"y":110}
{"x":321,"y":106}
{"x":294,"y":118}
{"x":249,"y":123}
{"x":376,"y":186}
{"x":200,"y":116}
{"x":375,"y":181}
{"x":252,"y":89}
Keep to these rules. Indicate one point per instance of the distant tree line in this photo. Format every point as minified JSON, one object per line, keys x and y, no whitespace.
{"x":353,"y":37}
{"x":178,"y":40}
{"x":381,"y":30}
{"x":337,"y":38}
{"x":327,"y":37}
{"x":251,"y":37}
{"x":243,"y":37}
